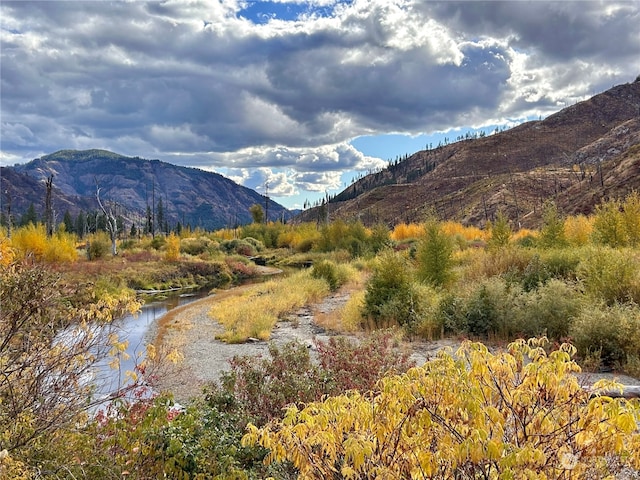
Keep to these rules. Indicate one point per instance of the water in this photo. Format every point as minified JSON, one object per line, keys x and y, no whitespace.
{"x":133,"y":328}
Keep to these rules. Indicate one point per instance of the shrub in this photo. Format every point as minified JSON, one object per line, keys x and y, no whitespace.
{"x":30,"y":240}
{"x":470,"y":414}
{"x":578,"y":230}
{"x":552,"y":231}
{"x":196,"y":246}
{"x":608,"y":225}
{"x":328,"y":271}
{"x":549,"y":310}
{"x":359,"y":365}
{"x":390,"y":297}
{"x":434,"y":256}
{"x":611,"y":274}
{"x":500,"y":232}
{"x":610,"y":333}
{"x":98,"y":245}
{"x":172,"y":253}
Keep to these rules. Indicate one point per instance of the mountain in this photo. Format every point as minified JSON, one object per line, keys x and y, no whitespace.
{"x":577,"y":157}
{"x":191,"y":196}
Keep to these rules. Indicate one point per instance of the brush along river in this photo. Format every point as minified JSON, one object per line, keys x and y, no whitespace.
{"x":188,"y":327}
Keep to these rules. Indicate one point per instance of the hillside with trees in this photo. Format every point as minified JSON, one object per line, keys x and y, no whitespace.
{"x":140,"y":192}
{"x":576,"y":157}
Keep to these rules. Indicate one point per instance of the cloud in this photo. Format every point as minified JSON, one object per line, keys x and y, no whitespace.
{"x":280,"y":88}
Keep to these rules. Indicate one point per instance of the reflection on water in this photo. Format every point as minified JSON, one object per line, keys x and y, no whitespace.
{"x":134,"y":329}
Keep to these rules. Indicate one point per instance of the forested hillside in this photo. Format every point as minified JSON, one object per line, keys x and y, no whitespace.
{"x":135,"y":188}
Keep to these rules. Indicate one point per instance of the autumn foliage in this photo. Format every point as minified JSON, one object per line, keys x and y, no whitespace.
{"x":468,"y":414}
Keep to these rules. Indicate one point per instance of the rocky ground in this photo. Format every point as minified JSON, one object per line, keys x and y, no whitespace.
{"x":192,"y":331}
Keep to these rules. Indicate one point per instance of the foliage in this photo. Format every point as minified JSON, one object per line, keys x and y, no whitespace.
{"x":403,"y":231}
{"x":339,"y":235}
{"x":257,"y":213}
{"x":608,"y":224}
{"x":30,"y":240}
{"x":611,"y":333}
{"x":390,"y":297}
{"x":98,"y":245}
{"x":471,"y":414}
{"x":7,"y":253}
{"x":334,"y":275}
{"x":552,"y":232}
{"x":612,"y":275}
{"x":500,"y":232}
{"x":434,"y":256}
{"x":50,"y":339}
{"x":578,"y":230}
{"x":172,"y":253}
{"x":264,"y":387}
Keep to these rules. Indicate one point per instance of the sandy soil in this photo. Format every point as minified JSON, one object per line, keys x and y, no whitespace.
{"x":192,"y":331}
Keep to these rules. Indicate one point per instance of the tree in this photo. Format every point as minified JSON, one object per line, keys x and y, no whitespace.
{"x":500,"y":232}
{"x":50,"y":341}
{"x":434,"y":256}
{"x":81,"y":224}
{"x":68,"y":222}
{"x":160,"y":214}
{"x":552,"y":231}
{"x":465,"y":415}
{"x":111,"y":222}
{"x":29,"y":216}
{"x":257,"y":213}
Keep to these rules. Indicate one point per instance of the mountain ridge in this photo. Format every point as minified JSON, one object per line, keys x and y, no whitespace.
{"x":189,"y":195}
{"x":576,"y":157}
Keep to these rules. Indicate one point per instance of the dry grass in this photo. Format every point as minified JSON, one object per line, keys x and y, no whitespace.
{"x":256,"y":310}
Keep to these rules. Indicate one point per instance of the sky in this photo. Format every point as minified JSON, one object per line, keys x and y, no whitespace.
{"x":295,"y":98}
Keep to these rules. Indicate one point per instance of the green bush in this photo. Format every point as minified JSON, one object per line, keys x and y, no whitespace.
{"x":548,"y":310}
{"x":610,"y":333}
{"x":434,"y":256}
{"x":612,"y":275}
{"x":390,"y":296}
{"x":98,"y":245}
{"x":330,"y":272}
{"x":196,"y":246}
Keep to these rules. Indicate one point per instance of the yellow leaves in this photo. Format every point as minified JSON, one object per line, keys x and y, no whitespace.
{"x":462,"y":412}
{"x":172,"y":252}
{"x":175,"y":356}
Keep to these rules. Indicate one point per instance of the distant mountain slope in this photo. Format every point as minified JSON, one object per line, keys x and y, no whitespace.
{"x":576,"y":157}
{"x":188,"y":195}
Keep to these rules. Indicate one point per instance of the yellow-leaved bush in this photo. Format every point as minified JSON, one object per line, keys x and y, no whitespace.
{"x":468,"y":414}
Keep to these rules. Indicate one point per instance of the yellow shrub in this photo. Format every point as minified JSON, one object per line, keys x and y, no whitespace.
{"x":404,"y":231}
{"x":7,"y":255}
{"x":61,"y":248}
{"x":173,"y":248}
{"x":578,"y":230}
{"x":30,"y":240}
{"x":468,"y":233}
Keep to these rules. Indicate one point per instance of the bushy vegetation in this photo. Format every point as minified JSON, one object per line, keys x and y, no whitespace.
{"x":575,"y":281}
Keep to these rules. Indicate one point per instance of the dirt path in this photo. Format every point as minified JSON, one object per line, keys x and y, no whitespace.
{"x":192,"y":331}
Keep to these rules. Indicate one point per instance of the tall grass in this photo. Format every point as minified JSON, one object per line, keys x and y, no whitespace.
{"x":254,"y":313}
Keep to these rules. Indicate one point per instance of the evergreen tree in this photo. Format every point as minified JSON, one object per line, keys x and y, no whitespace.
{"x":29,"y":216}
{"x":81,"y":224}
{"x":68,"y":222}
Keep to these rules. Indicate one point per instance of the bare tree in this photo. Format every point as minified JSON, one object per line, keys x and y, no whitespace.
{"x":112,"y":224}
{"x":48,"y":209}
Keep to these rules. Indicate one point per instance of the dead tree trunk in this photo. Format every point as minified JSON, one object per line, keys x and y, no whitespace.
{"x":112,"y":224}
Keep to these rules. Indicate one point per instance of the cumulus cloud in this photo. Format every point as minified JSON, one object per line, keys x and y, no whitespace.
{"x":274,"y":92}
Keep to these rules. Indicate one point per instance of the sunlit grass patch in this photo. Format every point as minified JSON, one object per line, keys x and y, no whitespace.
{"x":255,"y":312}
